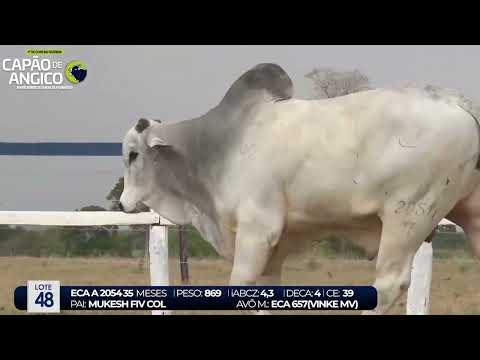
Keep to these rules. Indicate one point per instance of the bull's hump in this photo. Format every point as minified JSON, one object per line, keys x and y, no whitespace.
{"x":268,"y":77}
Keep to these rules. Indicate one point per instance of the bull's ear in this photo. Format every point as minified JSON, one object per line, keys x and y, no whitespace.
{"x":149,"y":130}
{"x":154,"y":136}
{"x":155,"y":141}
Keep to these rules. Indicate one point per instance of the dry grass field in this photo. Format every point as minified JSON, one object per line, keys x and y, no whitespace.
{"x":455,"y":288}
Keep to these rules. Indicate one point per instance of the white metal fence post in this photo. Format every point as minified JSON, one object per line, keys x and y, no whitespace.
{"x":418,"y":301}
{"x":158,"y":250}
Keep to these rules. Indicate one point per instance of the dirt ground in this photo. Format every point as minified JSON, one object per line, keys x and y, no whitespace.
{"x":455,"y":287}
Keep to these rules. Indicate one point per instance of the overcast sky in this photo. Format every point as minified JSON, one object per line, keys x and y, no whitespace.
{"x":172,"y":83}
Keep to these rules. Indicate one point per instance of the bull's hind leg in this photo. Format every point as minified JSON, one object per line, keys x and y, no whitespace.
{"x":404,"y":228}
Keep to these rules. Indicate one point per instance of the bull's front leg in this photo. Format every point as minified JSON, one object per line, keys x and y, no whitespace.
{"x":255,"y":262}
{"x":254,"y":246}
{"x":258,"y":233}
{"x":272,"y":274}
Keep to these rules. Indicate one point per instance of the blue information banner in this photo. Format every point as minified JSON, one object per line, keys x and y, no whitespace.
{"x":210,"y":298}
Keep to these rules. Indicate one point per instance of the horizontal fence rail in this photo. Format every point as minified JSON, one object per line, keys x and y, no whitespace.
{"x":79,"y":218}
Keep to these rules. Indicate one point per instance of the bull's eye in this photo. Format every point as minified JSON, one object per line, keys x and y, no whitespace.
{"x":132,"y":157}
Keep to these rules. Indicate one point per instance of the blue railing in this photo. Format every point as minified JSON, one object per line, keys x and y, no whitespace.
{"x":61,"y":149}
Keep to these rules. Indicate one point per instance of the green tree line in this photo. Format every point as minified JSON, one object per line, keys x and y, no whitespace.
{"x":87,"y":242}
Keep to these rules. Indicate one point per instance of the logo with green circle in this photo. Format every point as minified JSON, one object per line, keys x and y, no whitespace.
{"x":76,"y":72}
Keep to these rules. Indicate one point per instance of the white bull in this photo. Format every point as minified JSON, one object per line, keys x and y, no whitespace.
{"x":263,"y":170}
